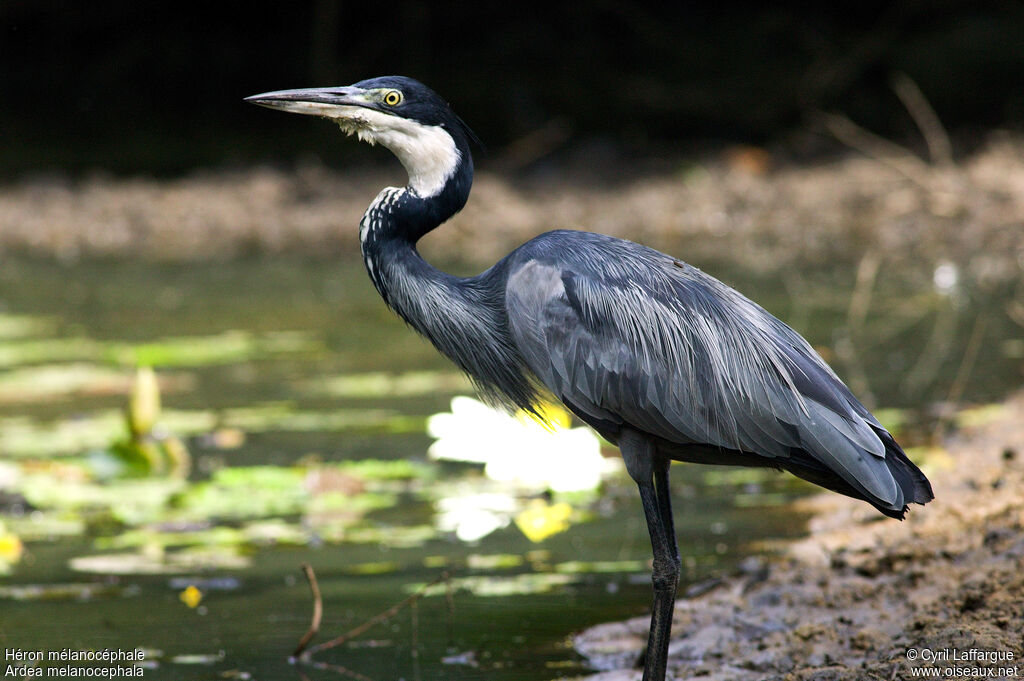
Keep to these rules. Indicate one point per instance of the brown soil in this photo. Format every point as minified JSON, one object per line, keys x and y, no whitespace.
{"x":862,"y":593}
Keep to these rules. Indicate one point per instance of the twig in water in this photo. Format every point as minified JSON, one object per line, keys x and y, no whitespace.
{"x":414,"y":613}
{"x":318,"y":611}
{"x":304,"y":653}
{"x":376,"y":619}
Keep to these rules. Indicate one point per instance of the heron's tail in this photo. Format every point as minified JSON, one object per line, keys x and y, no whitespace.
{"x":913,"y":485}
{"x":912,"y":482}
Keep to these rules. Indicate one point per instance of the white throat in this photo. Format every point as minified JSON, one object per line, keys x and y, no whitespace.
{"x":428,"y":152}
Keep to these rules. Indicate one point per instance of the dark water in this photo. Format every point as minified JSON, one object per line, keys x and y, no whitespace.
{"x":251,"y":618}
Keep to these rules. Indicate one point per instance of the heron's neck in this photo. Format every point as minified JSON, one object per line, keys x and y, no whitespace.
{"x":400,"y":217}
{"x":429,"y":300}
{"x":424,"y":296}
{"x":435,"y":192}
{"x":464,"y":318}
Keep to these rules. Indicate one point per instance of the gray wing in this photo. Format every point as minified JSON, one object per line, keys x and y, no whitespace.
{"x":640,"y":339}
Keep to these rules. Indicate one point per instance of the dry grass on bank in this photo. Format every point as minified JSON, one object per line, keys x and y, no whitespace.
{"x":971,"y":213}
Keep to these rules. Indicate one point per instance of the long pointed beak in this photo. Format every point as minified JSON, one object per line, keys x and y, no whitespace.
{"x":314,"y":101}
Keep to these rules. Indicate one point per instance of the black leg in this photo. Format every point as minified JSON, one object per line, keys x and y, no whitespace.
{"x":649,"y":469}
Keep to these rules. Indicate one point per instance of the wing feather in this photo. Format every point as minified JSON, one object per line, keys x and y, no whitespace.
{"x":642,"y":340}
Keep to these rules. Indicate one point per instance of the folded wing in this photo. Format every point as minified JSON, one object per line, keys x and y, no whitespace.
{"x":643,"y":340}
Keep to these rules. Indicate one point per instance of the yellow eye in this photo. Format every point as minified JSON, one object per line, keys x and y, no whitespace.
{"x":392,"y":97}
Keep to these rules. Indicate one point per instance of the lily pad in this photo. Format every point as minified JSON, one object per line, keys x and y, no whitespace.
{"x":378,"y":469}
{"x":262,"y":491}
{"x":46,"y":382}
{"x":380,"y":384}
{"x":74,"y":591}
{"x":497,"y":561}
{"x":47,"y":525}
{"x":354,"y":503}
{"x":22,"y":437}
{"x":246,"y":492}
{"x":225,"y":348}
{"x":276,"y":532}
{"x":198,"y":658}
{"x":394,"y":536}
{"x":150,"y":537}
{"x":129,"y":501}
{"x":576,"y":567}
{"x":285,"y":417}
{"x":181,"y":351}
{"x":497,"y":587}
{"x":19,"y":326}
{"x":41,"y":350}
{"x":158,"y":562}
{"x":378,"y":568}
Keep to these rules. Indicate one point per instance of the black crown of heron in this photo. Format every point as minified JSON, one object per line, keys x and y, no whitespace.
{"x":660,"y":358}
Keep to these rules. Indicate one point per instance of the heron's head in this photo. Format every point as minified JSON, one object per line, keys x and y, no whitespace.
{"x":400,"y":113}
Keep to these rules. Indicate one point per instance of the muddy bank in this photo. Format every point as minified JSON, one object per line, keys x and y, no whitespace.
{"x":740,"y":204}
{"x":862,"y":594}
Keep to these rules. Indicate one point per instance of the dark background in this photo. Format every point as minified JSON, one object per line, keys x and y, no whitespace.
{"x":156,"y":87}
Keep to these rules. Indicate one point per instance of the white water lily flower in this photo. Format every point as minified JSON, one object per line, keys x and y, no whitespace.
{"x":474,"y":516}
{"x":520,"y":449}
